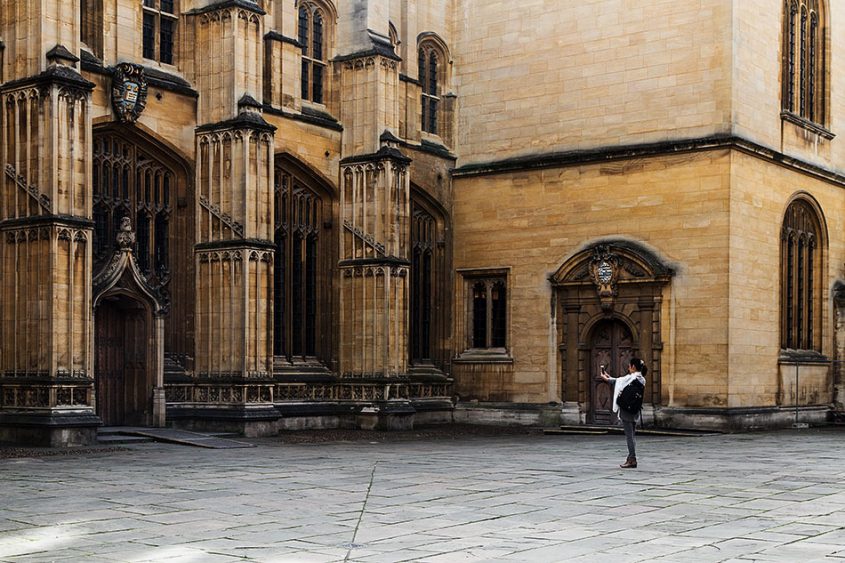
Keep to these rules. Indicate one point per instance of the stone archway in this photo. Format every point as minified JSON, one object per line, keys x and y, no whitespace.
{"x":609,"y":298}
{"x":129,"y":340}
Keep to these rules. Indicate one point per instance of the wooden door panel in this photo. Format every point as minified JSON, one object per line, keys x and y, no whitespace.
{"x":122,"y":379}
{"x":612,"y":346}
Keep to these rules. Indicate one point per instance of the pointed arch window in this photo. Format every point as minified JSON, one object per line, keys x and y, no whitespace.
{"x":801,"y":274}
{"x":804,"y":60}
{"x":301,"y":273}
{"x":312,"y":38}
{"x":430,"y":65}
{"x":128,"y":182}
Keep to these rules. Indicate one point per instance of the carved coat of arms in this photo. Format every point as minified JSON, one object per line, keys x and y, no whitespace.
{"x":128,"y":92}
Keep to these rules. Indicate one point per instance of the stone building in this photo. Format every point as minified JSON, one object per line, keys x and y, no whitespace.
{"x":254,"y":215}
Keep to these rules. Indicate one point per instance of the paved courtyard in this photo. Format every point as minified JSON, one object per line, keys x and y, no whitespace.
{"x":776,"y":496}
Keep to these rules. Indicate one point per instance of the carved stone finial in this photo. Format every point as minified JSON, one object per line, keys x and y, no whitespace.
{"x":125,"y":235}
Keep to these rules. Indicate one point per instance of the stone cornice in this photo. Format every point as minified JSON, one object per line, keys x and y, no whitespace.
{"x":224,"y":4}
{"x":313,"y":119}
{"x":382,"y":261}
{"x":609,"y":154}
{"x":47,"y":221}
{"x":245,"y":120}
{"x":62,"y":75}
{"x":235,"y":244}
{"x":281,"y":38}
{"x":384,"y":153}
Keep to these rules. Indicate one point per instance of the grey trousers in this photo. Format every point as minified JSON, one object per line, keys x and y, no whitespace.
{"x":629,"y":424}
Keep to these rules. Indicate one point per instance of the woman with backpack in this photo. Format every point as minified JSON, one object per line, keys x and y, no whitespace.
{"x":636,"y":372}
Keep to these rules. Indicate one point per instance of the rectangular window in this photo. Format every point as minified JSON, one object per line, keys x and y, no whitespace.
{"x":166,"y":45}
{"x":159,"y":30}
{"x":486,"y":307}
{"x":149,"y":36}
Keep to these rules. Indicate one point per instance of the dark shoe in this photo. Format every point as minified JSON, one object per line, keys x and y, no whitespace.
{"x":630,"y":463}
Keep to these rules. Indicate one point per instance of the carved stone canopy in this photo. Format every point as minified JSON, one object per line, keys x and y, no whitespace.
{"x":607,"y":264}
{"x":121,"y":275}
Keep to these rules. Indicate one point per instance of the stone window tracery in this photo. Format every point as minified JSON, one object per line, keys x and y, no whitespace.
{"x":801,"y":272}
{"x":128,"y":182}
{"x":300,"y":269}
{"x":804,"y":60}
{"x":312,"y":35}
{"x":431,"y":65}
{"x":487,"y":306}
{"x":160,"y":18}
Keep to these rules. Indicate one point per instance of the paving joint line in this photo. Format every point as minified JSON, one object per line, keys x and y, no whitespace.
{"x":361,"y":514}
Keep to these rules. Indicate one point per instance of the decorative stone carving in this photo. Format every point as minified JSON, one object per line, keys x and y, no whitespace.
{"x":129,"y":92}
{"x":604,"y":270}
{"x":125,"y":235}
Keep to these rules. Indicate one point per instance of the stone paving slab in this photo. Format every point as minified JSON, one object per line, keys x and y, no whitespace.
{"x":777,"y":497}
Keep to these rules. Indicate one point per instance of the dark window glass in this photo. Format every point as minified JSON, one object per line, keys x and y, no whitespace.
{"x":432,"y":116}
{"x":317,"y":50}
{"x":428,"y":72}
{"x":800,"y":272}
{"x":432,"y":74}
{"x":297,"y":276}
{"x":422,"y":284}
{"x":803,"y":86}
{"x":790,"y":80}
{"x":167,"y":6}
{"x":279,"y":301}
{"x":304,"y":78}
{"x":811,"y":82}
{"x":296,"y":301}
{"x":310,"y":295}
{"x":115,"y":179}
{"x":161,"y":261}
{"x":166,"y":46}
{"x":479,"y":315}
{"x":303,"y":29}
{"x":122,"y":177}
{"x":149,"y":36}
{"x":421,"y":69}
{"x":142,"y":243}
{"x":317,"y":94}
{"x":426,"y":291}
{"x":499,"y":320}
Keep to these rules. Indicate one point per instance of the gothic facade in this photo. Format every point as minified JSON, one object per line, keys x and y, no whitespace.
{"x":262,"y":214}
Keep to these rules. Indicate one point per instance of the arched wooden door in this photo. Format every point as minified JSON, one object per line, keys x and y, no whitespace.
{"x":124,"y":382}
{"x":612,"y":345}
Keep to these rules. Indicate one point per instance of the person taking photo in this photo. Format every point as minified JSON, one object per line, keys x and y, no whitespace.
{"x":636,"y":372}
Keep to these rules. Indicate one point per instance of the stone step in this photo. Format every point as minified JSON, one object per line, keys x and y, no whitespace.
{"x":117,"y":439}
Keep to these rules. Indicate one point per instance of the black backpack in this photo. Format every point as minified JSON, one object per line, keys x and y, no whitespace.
{"x":630,"y":399}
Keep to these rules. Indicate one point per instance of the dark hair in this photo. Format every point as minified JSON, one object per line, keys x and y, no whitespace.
{"x":639,"y":364}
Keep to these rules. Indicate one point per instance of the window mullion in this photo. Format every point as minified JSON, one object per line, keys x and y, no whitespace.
{"x":488,"y":338}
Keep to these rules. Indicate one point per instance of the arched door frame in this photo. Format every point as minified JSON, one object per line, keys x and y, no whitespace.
{"x":121,"y":277}
{"x":608,"y":279}
{"x":180,"y":281}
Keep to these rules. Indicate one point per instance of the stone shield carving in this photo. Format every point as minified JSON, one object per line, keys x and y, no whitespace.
{"x":128,"y":92}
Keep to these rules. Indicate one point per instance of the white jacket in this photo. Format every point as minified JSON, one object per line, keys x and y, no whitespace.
{"x":621,"y":382}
